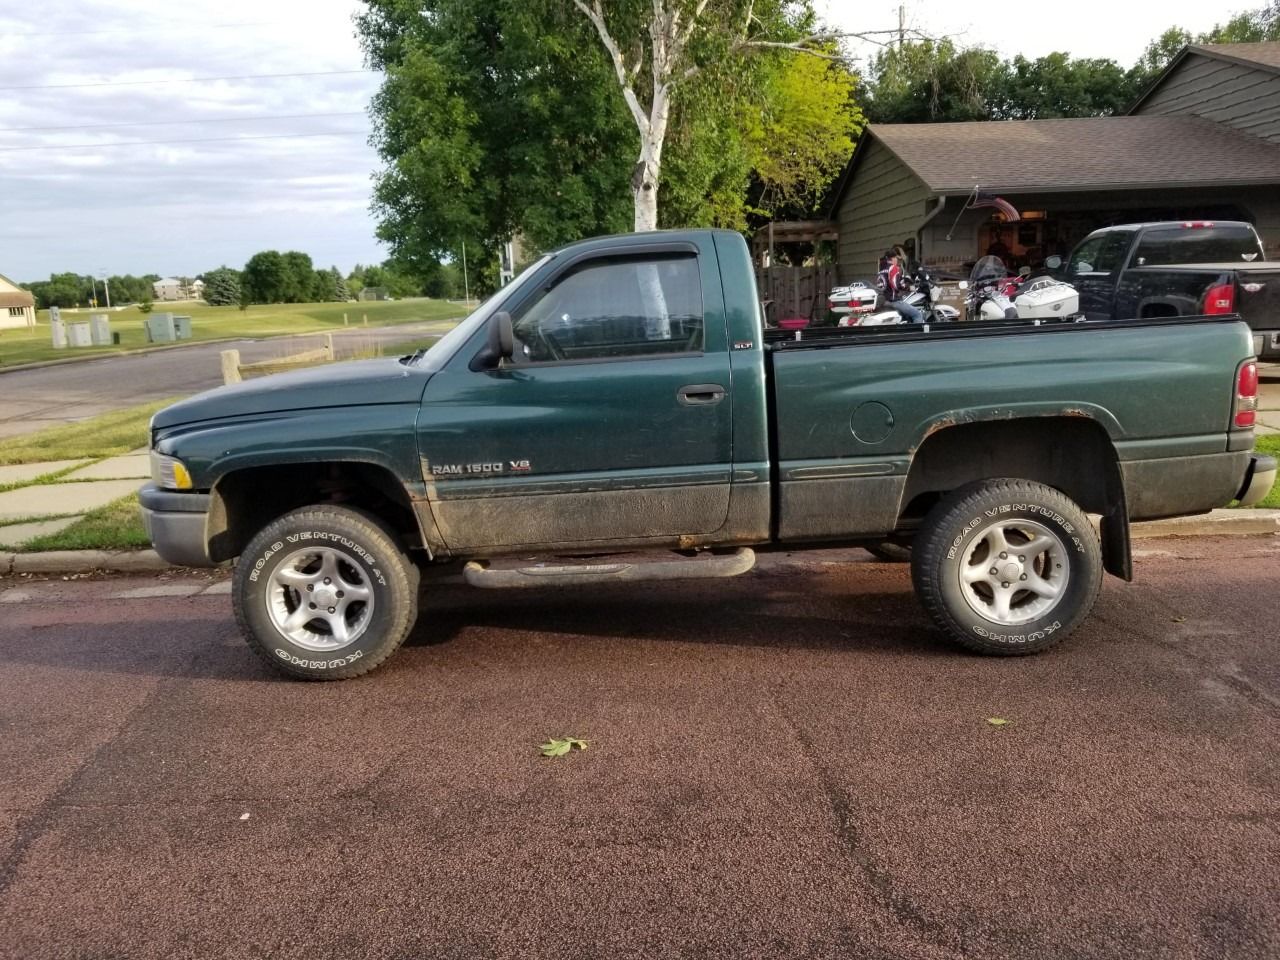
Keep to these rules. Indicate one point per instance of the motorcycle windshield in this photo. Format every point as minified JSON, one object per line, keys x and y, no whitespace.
{"x":987,"y":269}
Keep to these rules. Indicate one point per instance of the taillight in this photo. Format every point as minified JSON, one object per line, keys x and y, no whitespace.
{"x":1193,"y":224}
{"x":1220,"y":299}
{"x":1246,"y":408}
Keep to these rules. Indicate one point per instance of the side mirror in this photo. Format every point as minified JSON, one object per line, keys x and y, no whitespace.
{"x":500,"y":345}
{"x":963,"y":284}
{"x":1054,"y":262}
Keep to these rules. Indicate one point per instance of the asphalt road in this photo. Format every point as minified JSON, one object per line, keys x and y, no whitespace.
{"x":791,"y":764}
{"x":33,"y":399}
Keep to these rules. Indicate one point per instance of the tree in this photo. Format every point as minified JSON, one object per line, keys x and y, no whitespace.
{"x":490,"y":120}
{"x":299,"y":278}
{"x":324,"y":287}
{"x":1056,"y":85}
{"x":263,"y":279}
{"x":222,"y":287}
{"x":660,"y":47}
{"x":928,"y":81}
{"x":340,"y":291}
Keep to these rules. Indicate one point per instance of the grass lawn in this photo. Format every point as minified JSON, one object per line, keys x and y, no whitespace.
{"x":1270,"y":445}
{"x":117,"y":526}
{"x":215,"y":323}
{"x":108,"y":435}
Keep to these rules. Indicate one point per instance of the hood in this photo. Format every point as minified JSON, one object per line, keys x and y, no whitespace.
{"x":348,"y":384}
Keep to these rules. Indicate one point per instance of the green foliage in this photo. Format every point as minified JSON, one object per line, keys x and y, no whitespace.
{"x":1056,"y":86}
{"x":222,"y":287}
{"x":925,"y":81}
{"x":495,"y":115}
{"x":263,"y":279}
{"x":299,"y":279}
{"x":145,"y":305}
{"x":561,"y":747}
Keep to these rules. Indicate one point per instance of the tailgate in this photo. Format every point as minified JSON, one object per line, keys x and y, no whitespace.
{"x":1258,"y":294}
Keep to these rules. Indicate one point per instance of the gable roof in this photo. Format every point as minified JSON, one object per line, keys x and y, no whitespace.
{"x":1059,"y":156}
{"x":1264,"y":55}
{"x":12,"y":295}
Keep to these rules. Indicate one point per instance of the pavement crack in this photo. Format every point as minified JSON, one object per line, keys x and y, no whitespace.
{"x":32,"y":828}
{"x":900,"y":906}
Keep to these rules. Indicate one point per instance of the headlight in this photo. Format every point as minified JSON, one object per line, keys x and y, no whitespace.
{"x":169,"y":473}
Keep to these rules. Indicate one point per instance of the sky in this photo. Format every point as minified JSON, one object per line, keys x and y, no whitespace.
{"x":282,"y":162}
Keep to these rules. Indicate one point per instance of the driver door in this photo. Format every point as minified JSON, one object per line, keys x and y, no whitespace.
{"x":612,"y":423}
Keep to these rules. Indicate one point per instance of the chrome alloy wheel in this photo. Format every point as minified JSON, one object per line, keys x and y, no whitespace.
{"x":320,"y":598}
{"x":1015,"y":572}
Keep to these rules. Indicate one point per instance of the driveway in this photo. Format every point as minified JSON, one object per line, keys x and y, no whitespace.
{"x":790,"y":764}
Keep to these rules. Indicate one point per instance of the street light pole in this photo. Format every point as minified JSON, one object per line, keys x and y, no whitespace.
{"x":466,"y":286}
{"x":106,"y":285}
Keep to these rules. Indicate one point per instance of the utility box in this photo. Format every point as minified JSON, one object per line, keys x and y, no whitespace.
{"x":100,"y":329}
{"x":159,"y":328}
{"x":57,"y":328}
{"x":181,"y":327}
{"x":78,"y":334}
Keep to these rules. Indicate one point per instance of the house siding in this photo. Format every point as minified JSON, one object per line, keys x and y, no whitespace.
{"x":883,"y":205}
{"x":1242,"y":97}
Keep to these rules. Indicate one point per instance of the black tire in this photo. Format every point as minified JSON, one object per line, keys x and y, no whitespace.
{"x":888,"y":552}
{"x":368,"y":561}
{"x":953,"y":559}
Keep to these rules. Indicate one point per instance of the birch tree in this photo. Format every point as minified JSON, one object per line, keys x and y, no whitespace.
{"x":656,"y":46}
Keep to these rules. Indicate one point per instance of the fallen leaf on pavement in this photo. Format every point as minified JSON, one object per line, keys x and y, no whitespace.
{"x":998,"y":721}
{"x":559,"y":747}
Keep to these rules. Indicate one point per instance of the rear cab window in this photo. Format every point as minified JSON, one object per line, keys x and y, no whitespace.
{"x":1197,"y":243}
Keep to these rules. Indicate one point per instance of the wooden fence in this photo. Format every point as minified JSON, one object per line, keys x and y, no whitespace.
{"x":795,"y":291}
{"x":233,"y":371}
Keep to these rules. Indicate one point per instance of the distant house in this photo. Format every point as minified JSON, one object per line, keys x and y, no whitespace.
{"x":17,"y":306}
{"x":177,"y":288}
{"x":1202,"y":143}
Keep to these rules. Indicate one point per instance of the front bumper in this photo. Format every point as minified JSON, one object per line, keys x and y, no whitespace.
{"x":176,"y":523}
{"x":1258,"y":480}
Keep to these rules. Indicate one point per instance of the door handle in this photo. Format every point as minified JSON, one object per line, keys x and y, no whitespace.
{"x":700,"y":395}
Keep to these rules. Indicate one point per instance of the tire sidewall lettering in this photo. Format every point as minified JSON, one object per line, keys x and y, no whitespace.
{"x":1034,"y":510}
{"x":294,"y":539}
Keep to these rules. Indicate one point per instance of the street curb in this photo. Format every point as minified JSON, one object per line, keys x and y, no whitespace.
{"x":1217,"y":523}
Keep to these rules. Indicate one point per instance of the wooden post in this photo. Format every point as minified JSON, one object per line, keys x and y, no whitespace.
{"x":230,"y":366}
{"x":328,"y":347}
{"x":366,"y":319}
{"x":344,"y":319}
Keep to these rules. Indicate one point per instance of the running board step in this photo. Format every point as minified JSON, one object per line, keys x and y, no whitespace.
{"x":480,"y":573}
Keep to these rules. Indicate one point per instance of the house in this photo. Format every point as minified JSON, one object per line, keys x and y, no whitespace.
{"x":1201,"y":143}
{"x":178,"y":288}
{"x":17,"y":306}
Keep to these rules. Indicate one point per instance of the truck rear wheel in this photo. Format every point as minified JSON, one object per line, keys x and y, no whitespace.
{"x":325,"y":593}
{"x":1007,"y":567}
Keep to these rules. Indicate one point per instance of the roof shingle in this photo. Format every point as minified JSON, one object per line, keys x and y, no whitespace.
{"x":1090,"y":153}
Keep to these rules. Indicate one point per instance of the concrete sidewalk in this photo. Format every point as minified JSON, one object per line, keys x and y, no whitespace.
{"x":46,"y":498}
{"x":1268,"y":399}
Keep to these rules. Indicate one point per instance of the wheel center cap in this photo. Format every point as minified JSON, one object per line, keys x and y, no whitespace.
{"x":324,"y":597}
{"x":1010,"y":570}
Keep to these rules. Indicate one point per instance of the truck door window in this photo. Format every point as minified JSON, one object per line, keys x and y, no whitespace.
{"x":615,"y":308}
{"x":1102,"y":254}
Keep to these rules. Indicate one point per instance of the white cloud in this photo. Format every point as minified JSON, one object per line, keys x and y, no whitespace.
{"x":108,"y":197}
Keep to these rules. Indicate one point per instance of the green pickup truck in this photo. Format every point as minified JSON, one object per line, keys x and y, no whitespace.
{"x":618,"y":412}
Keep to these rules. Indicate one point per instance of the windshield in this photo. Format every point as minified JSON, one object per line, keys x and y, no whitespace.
{"x":988,"y":268}
{"x":455,"y":338}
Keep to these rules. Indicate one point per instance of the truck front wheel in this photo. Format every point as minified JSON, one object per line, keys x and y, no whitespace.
{"x":325,"y":593}
{"x":1007,"y":567}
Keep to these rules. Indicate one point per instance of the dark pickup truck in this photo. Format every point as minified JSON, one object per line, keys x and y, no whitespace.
{"x":616,"y":414}
{"x":1179,"y":269}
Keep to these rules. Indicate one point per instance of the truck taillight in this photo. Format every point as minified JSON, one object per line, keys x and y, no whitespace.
{"x":1193,"y":224}
{"x":1246,"y":408}
{"x":1220,"y":299}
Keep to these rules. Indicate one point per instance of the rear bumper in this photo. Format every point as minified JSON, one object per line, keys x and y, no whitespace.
{"x":1258,"y":480}
{"x":1267,"y":345}
{"x":176,"y":524}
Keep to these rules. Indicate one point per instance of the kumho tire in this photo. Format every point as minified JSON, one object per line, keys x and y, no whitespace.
{"x":1007,"y":567}
{"x":325,"y":593}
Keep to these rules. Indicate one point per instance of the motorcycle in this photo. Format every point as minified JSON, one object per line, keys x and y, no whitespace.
{"x":994,"y":294}
{"x":925,"y":296}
